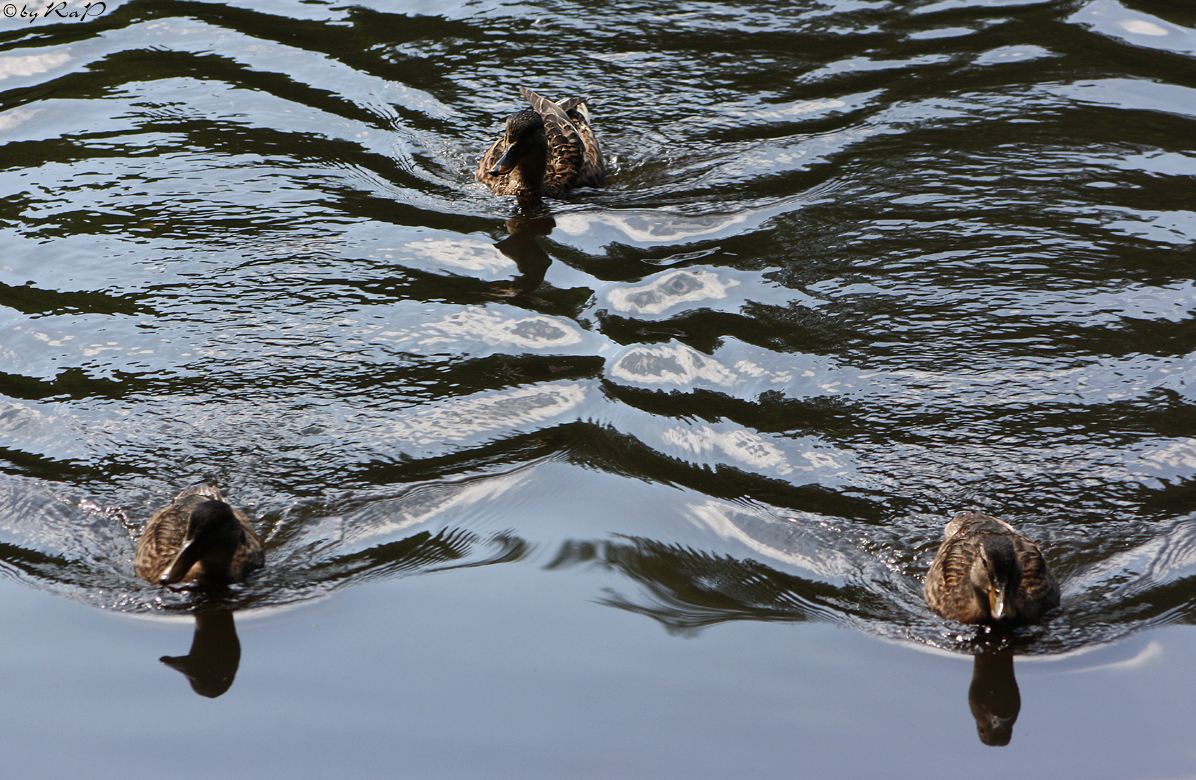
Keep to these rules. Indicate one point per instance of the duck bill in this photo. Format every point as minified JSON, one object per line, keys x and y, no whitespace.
{"x":1000,"y":600}
{"x":506,"y":163}
{"x":180,"y":565}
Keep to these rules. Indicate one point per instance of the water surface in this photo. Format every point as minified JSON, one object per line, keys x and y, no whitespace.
{"x":645,"y":483}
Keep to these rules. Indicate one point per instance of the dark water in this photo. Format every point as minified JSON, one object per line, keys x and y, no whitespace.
{"x":647,"y":484}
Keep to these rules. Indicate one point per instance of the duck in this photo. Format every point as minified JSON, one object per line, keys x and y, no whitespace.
{"x":985,"y":572}
{"x":199,"y":538}
{"x":546,"y":151}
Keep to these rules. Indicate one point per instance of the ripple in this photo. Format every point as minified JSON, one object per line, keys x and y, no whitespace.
{"x":488,"y":416}
{"x":29,"y":65}
{"x":1132,"y":95}
{"x":669,"y":290}
{"x":481,"y":330}
{"x":676,"y":364}
{"x":1112,"y":19}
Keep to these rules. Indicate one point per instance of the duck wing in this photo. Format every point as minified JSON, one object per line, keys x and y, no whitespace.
{"x":593,"y":170}
{"x":947,"y":591}
{"x":491,"y":157}
{"x":251,"y":554}
{"x":1039,"y":592}
{"x":565,"y":149}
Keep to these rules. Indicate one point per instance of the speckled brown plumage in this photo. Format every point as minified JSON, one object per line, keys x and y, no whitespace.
{"x":551,"y":149}
{"x":957,"y":585}
{"x":227,"y":553}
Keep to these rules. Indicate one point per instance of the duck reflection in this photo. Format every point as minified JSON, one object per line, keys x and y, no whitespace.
{"x":522,"y":245}
{"x":689,"y":590}
{"x":211,"y":665}
{"x":215,"y":655}
{"x":993,"y":697}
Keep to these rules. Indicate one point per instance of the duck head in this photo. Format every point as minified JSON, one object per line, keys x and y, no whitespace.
{"x":527,"y":148}
{"x":996,"y":576}
{"x":213,"y":534}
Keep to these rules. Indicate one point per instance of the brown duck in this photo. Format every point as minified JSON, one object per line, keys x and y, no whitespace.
{"x":986,"y":572}
{"x":198,"y":538}
{"x":546,"y":151}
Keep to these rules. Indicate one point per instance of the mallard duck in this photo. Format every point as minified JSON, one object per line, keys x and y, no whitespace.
{"x":199,"y":538}
{"x":546,"y":151}
{"x":986,"y":572}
